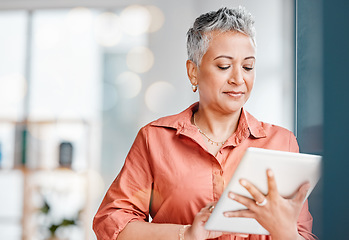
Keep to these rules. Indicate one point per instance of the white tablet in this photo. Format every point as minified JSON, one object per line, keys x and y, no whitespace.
{"x":290,"y":170}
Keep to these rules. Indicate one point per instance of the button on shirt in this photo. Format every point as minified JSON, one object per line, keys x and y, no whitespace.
{"x":169,"y":174}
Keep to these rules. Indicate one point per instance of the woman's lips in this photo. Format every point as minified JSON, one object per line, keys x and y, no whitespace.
{"x":235,"y":94}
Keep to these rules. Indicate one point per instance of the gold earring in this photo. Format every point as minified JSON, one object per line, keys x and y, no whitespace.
{"x":194,"y":88}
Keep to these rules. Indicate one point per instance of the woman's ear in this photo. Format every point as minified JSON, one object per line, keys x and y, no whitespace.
{"x":192,"y":71}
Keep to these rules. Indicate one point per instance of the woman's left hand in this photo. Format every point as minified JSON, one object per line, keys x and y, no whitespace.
{"x":276,"y":214}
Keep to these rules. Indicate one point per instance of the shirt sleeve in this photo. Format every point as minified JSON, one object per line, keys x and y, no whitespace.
{"x":128,"y":197}
{"x":305,"y":220}
{"x":305,"y":223}
{"x":293,"y":144}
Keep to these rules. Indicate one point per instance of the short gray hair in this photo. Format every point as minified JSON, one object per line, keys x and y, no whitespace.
{"x":223,"y":20}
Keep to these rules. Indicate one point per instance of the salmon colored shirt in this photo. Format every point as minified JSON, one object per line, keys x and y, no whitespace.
{"x":169,"y":174}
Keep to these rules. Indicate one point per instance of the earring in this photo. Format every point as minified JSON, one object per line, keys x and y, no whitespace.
{"x":194,"y":88}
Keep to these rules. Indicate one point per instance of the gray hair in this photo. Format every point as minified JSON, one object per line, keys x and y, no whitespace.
{"x":223,"y":20}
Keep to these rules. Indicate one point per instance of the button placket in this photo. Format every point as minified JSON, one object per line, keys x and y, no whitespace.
{"x":218,"y":182}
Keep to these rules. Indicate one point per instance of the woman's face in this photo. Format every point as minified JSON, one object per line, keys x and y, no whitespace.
{"x":227,"y":72}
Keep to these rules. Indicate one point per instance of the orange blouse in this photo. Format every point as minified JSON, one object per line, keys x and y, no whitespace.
{"x":169,"y":175}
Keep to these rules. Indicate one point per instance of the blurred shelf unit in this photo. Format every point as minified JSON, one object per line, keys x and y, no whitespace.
{"x":41,"y":144}
{"x":44,"y":179}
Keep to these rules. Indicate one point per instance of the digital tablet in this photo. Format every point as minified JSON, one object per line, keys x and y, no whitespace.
{"x":290,"y":170}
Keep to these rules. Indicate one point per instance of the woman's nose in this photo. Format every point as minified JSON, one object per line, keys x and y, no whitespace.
{"x":236,"y":77}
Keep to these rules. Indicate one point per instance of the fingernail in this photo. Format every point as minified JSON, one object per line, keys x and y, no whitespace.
{"x":232,"y":195}
{"x":226,"y":214}
{"x":270,"y":173}
{"x":243,"y":182}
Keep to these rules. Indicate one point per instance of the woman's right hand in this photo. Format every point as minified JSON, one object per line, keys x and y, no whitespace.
{"x":197,"y":230}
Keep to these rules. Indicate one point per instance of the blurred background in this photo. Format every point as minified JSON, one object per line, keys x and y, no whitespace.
{"x":78,"y":79}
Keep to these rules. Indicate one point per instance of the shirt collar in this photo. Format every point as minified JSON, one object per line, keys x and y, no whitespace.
{"x":179,"y":120}
{"x":248,"y":125}
{"x":255,"y":126}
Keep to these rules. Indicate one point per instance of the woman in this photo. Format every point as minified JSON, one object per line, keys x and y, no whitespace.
{"x":178,"y":165}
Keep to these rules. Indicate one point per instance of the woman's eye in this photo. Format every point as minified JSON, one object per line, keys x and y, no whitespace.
{"x":248,"y":68}
{"x":224,"y":67}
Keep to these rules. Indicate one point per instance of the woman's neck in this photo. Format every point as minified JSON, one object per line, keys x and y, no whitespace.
{"x":217,"y":126}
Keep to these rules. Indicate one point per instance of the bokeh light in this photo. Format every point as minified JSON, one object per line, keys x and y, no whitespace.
{"x":108,"y":29}
{"x":159,"y":95}
{"x":129,"y":84}
{"x":157,"y":18}
{"x":135,"y":20}
{"x":140,"y":59}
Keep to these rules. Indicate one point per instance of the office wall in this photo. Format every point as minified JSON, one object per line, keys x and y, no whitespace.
{"x":336,"y":118}
{"x":322,"y":101}
{"x":309,"y":93}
